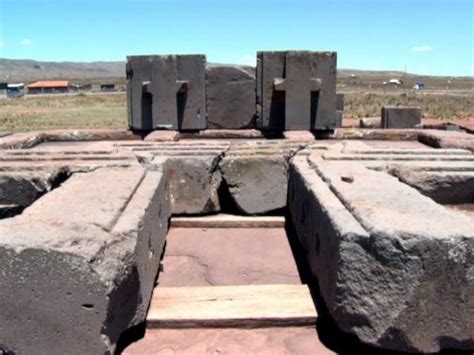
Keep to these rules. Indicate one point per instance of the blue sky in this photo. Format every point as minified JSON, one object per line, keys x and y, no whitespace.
{"x":427,"y":36}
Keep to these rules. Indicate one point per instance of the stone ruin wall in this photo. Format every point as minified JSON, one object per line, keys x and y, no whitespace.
{"x":84,"y":224}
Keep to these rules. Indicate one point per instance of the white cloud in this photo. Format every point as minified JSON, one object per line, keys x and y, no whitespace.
{"x":2,"y":44}
{"x":248,"y":59}
{"x":26,"y":42}
{"x":423,"y":48}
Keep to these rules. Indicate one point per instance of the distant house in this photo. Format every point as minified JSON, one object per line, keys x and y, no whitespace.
{"x":107,"y":87}
{"x":15,"y":90}
{"x":49,"y":87}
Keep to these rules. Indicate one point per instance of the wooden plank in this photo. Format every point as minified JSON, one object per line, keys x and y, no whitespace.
{"x":229,"y":221}
{"x":231,"y":306}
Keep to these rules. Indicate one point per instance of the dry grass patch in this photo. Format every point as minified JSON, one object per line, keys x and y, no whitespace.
{"x":433,"y":105}
{"x":65,"y":111}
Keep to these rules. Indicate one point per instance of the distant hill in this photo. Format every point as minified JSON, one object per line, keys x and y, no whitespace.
{"x":30,"y":70}
{"x":16,"y":70}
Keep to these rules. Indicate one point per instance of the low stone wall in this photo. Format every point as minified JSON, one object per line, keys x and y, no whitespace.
{"x":79,"y":265}
{"x":393,"y":266}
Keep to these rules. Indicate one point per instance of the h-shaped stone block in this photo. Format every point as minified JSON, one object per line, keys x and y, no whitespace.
{"x":296,"y":90}
{"x":166,"y":92}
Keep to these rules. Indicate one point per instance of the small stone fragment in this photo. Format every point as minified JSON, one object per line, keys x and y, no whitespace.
{"x":347,"y":178}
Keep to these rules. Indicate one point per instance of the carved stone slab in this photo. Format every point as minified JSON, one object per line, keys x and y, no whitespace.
{"x":166,"y":92}
{"x":296,"y":90}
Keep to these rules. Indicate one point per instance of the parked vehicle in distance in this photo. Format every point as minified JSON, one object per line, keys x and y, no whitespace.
{"x":393,"y":82}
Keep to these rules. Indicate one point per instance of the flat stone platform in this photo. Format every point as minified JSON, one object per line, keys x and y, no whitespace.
{"x":207,"y":257}
{"x":287,"y":340}
{"x":384,"y":218}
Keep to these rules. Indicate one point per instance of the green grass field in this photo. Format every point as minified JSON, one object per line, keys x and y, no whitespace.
{"x":110,"y":111}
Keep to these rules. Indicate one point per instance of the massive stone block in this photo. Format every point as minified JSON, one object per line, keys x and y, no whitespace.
{"x":256,"y":184}
{"x":230,"y":96}
{"x":166,"y":92}
{"x":194,"y":183}
{"x":393,"y":266}
{"x":79,"y":265}
{"x":400,"y":117}
{"x":447,"y":139}
{"x":192,"y":171}
{"x":296,"y":90}
{"x":443,"y":187}
{"x":21,"y":188}
{"x":256,"y":173}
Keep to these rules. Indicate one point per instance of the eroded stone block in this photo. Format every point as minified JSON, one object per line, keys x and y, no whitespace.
{"x":230,"y":96}
{"x":400,"y":117}
{"x":443,"y":187}
{"x":23,"y":188}
{"x":399,"y":263}
{"x":296,"y":90}
{"x":79,"y":265}
{"x":257,"y":184}
{"x":194,"y":183}
{"x":370,"y":122}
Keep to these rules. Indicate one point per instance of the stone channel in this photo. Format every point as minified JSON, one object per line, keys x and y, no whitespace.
{"x":85,"y":237}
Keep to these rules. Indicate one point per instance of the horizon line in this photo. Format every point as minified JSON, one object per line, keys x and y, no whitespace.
{"x":241,"y":64}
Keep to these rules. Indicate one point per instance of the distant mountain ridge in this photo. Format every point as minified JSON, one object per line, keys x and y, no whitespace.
{"x":15,"y":70}
{"x":29,"y":70}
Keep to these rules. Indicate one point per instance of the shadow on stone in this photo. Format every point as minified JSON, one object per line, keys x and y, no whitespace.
{"x":130,"y":336}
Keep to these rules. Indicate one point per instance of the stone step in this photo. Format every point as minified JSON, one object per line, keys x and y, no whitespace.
{"x":228,"y":221}
{"x":231,"y":306}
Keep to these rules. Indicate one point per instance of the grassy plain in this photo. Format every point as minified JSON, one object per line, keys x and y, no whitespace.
{"x":439,"y":105}
{"x":444,"y":98}
{"x":64,"y":111}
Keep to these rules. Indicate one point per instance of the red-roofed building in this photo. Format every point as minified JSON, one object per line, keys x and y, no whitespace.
{"x":48,"y":87}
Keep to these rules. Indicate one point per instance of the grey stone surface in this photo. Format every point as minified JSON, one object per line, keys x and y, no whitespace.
{"x":23,"y":188}
{"x":447,"y":139}
{"x":194,"y":182}
{"x":443,"y":187}
{"x":257,"y":184}
{"x":370,"y":122}
{"x":296,"y":90}
{"x":338,"y":123}
{"x":166,"y":92}
{"x":191,"y":168}
{"x":394,"y":267}
{"x":400,"y":117}
{"x":230,"y":96}
{"x":340,"y":101}
{"x":78,"y":266}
